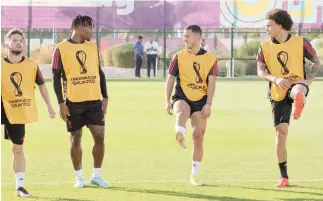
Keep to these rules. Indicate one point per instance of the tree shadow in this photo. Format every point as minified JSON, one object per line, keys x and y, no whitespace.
{"x":306,"y":187}
{"x":181,"y":194}
{"x":301,"y":199}
{"x":284,"y":190}
{"x":59,"y":199}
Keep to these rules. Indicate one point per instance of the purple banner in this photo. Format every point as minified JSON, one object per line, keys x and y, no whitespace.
{"x":146,"y":14}
{"x":159,"y":14}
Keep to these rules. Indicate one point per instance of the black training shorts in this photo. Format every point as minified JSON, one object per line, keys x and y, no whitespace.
{"x":282,"y":110}
{"x":13,"y":132}
{"x":194,"y":105}
{"x":84,"y":113}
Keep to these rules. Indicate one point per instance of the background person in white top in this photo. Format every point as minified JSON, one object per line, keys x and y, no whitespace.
{"x":151,"y":48}
{"x":204,"y":45}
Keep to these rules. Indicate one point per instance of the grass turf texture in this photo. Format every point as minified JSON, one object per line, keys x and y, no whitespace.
{"x":143,"y":161}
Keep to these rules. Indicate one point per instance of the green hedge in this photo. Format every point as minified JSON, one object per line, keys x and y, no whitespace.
{"x":121,"y":56}
{"x":169,"y":56}
{"x":248,"y":50}
{"x":174,"y":51}
{"x":239,"y":68}
{"x":107,"y":57}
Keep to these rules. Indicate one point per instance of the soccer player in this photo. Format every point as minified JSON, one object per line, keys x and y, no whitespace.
{"x":76,"y":61}
{"x":195,"y":72}
{"x":18,"y":105}
{"x":281,"y":61}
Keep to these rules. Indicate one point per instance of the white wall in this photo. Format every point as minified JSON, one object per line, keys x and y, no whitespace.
{"x":110,"y":72}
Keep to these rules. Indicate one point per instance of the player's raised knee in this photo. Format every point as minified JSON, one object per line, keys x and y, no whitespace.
{"x":299,"y":88}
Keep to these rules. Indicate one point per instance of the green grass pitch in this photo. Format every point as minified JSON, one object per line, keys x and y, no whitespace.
{"x":144,"y":163}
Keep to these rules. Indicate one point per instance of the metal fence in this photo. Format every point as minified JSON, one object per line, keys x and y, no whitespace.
{"x":236,"y":49}
{"x":232,"y":29}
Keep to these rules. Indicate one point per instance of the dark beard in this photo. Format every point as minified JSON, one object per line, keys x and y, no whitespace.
{"x":17,"y":52}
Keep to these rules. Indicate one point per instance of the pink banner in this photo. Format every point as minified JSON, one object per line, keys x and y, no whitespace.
{"x":160,"y":14}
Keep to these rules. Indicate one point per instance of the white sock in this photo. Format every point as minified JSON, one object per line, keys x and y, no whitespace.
{"x":96,"y":172}
{"x":79,"y":175}
{"x":180,"y":129}
{"x":20,"y":179}
{"x":195,"y":168}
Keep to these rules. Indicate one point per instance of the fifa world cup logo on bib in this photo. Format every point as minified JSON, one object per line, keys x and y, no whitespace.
{"x":197,"y":67}
{"x":16,"y":79}
{"x":81,"y":58}
{"x":282,"y":58}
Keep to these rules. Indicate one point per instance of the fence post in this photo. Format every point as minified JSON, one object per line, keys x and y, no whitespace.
{"x":97,"y":27}
{"x":165,"y":65}
{"x":28,"y":42}
{"x":164,"y":41}
{"x":30,"y":17}
{"x":54,"y":36}
{"x":300,"y":26}
{"x":97,"y":38}
{"x":232,"y":54}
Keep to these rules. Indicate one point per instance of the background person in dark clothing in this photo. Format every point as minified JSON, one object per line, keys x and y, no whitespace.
{"x":139,"y":52}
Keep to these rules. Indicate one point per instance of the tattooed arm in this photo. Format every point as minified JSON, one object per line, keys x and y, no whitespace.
{"x":310,"y":54}
{"x":315,"y":69}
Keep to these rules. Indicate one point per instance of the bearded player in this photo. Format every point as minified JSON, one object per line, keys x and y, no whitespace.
{"x":19,"y":75}
{"x":195,"y":71}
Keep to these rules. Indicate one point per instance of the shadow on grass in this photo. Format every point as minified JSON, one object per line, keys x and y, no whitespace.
{"x":181,"y":194}
{"x":307,"y":187}
{"x":59,"y":199}
{"x":290,"y":189}
{"x":301,"y":199}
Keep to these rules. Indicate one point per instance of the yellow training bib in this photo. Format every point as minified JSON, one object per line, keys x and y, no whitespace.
{"x":284,"y":61}
{"x":81,"y":67}
{"x":193,"y":73}
{"x":17,"y":90}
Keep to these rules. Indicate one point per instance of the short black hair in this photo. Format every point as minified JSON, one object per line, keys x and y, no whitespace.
{"x":82,"y":20}
{"x":281,"y":17}
{"x":195,"y":28}
{"x":140,"y":37}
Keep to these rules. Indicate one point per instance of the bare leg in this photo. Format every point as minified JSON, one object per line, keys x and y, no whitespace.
{"x":98,"y":146}
{"x":281,"y":138}
{"x":76,"y":149}
{"x":182,"y":112}
{"x":198,"y":126}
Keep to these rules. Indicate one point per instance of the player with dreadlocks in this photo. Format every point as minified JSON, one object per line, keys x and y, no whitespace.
{"x":76,"y":61}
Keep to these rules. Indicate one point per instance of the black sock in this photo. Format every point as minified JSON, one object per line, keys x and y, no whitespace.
{"x":283,"y":169}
